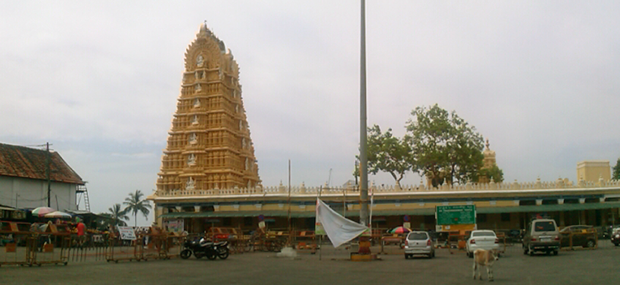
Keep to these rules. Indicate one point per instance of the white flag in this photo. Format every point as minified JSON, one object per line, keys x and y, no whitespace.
{"x":338,"y":228}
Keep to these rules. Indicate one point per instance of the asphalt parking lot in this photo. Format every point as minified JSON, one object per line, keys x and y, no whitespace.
{"x":600,"y":266}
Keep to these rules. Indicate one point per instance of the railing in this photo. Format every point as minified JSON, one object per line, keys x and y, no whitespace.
{"x":350,"y":188}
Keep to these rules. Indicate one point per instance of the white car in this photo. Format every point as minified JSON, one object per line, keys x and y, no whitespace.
{"x":481,"y":239}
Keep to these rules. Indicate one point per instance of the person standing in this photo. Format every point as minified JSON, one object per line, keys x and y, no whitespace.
{"x":81,"y":230}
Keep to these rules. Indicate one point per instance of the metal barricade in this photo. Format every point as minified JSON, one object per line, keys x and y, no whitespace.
{"x":158,"y":244}
{"x":153,"y":246}
{"x":50,"y":246}
{"x":118,"y":250}
{"x":581,"y":239}
{"x":16,"y":240}
{"x":91,"y":246}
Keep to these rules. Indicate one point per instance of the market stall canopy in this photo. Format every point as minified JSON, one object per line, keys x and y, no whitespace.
{"x":399,"y":230}
{"x":58,"y":215}
{"x":41,"y":211}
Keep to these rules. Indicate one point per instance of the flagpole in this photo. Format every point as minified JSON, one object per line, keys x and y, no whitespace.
{"x":290,"y":233}
{"x":320,"y":236}
{"x":363,"y":119}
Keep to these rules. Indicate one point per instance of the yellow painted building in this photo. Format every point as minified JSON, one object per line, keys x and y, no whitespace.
{"x":593,"y":170}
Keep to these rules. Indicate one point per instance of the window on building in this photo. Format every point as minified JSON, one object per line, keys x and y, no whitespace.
{"x":505,"y":217}
{"x":248,"y":221}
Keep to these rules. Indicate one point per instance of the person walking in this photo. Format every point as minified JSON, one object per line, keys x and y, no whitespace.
{"x":81,"y":232}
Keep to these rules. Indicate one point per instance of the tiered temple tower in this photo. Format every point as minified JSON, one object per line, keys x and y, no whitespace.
{"x":209,"y":145}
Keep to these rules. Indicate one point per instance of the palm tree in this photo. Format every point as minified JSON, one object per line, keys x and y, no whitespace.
{"x":116,"y":215}
{"x":136,"y":204}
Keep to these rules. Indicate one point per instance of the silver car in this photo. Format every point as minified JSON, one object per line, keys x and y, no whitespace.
{"x":541,"y":235}
{"x":419,"y":243}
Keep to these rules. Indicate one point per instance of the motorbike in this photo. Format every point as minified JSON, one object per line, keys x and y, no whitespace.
{"x":203,"y":247}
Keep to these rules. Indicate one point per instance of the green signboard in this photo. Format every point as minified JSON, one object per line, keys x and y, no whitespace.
{"x":456,"y":215}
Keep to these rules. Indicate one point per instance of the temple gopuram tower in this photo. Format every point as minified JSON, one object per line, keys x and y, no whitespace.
{"x":209,"y":145}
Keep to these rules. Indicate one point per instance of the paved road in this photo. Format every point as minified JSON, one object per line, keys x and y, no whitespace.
{"x":601,"y":266}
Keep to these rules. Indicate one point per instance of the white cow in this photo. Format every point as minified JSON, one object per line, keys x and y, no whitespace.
{"x":484,"y":258}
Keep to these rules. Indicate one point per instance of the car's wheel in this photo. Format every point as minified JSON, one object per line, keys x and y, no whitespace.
{"x":406,"y":256}
{"x":590,"y":244}
{"x":555,"y":252}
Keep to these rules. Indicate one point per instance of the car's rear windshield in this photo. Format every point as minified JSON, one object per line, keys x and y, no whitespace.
{"x":417,"y":236}
{"x":544,"y":226}
{"x":483,"y":234}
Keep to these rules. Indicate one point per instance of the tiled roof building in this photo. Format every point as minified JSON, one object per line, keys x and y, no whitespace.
{"x":25,"y":162}
{"x":23,"y":179}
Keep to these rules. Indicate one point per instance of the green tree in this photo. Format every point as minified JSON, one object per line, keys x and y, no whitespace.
{"x":616,"y":174}
{"x":135,"y":204}
{"x":444,"y":146}
{"x":388,"y":153}
{"x":356,"y":171}
{"x":115,"y":216}
{"x":494,"y":172}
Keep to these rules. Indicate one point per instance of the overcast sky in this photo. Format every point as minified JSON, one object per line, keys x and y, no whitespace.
{"x":99,"y":80}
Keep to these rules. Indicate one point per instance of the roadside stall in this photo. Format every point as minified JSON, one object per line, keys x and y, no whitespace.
{"x":237,"y":241}
{"x":13,"y":237}
{"x":52,"y":244}
{"x":395,"y":236}
{"x":305,"y":240}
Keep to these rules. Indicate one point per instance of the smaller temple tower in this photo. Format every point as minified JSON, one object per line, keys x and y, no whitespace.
{"x":489,"y":157}
{"x":488,"y":162}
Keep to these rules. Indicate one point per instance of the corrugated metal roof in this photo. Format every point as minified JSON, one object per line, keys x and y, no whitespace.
{"x":25,"y":162}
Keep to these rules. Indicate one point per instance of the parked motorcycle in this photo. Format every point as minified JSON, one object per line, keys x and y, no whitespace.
{"x":203,"y":247}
